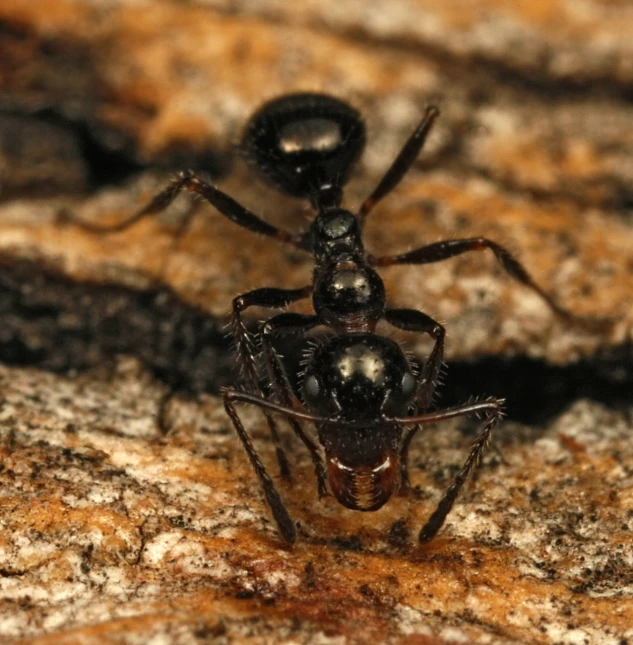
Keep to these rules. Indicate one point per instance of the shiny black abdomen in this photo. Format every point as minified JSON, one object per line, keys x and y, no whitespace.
{"x":304,"y":142}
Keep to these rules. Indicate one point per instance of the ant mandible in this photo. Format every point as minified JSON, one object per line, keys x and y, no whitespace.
{"x":365,"y":397}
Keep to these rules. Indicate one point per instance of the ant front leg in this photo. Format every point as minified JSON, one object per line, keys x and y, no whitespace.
{"x":226,"y":205}
{"x":405,"y":482}
{"x":280,"y":513}
{"x":270,"y":298}
{"x":451,"y":248}
{"x":493,"y":409}
{"x":416,"y":321}
{"x":283,"y":324}
{"x":247,"y":349}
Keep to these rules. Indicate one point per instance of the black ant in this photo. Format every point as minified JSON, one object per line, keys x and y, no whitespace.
{"x":365,"y":397}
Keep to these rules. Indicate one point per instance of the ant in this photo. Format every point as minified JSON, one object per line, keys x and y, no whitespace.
{"x":365,"y":397}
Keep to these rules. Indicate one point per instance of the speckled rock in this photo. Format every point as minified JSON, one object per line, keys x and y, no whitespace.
{"x":112,"y":530}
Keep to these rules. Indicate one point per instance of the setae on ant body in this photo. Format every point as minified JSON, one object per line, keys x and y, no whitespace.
{"x":364,"y":396}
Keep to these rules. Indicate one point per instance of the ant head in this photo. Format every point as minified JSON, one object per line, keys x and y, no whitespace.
{"x":359,"y":378}
{"x":305,"y":144}
{"x":356,"y":380}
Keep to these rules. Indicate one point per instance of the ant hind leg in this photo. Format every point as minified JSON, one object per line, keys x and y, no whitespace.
{"x":226,"y":205}
{"x":157,"y":205}
{"x":450,"y":248}
{"x":247,"y":350}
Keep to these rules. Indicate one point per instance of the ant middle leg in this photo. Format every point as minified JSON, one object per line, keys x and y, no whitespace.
{"x":247,"y":349}
{"x":450,"y":248}
{"x":226,"y":205}
{"x":284,"y":324}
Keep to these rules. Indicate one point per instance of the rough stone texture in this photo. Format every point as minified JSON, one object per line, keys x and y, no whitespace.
{"x":113,"y":532}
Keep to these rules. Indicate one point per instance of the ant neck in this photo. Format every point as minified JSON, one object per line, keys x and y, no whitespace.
{"x":327,"y":197}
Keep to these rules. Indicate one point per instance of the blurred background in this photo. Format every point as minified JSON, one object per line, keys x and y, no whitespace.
{"x":101,"y":102}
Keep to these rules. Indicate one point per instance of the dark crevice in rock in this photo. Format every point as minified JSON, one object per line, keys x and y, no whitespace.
{"x":106,"y":165}
{"x":536,"y":391}
{"x":107,"y":158}
{"x":479,"y":71}
{"x":52,"y":322}
{"x":47,"y":154}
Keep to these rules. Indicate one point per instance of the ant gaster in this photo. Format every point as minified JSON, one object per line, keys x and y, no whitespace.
{"x":364,"y":396}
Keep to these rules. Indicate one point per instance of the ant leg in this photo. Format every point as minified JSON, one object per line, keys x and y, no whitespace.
{"x":435,"y":522}
{"x":283,"y":324}
{"x":271,"y":298}
{"x":158,"y":204}
{"x":414,"y":320}
{"x":282,"y":518}
{"x":247,"y":347}
{"x":405,"y":483}
{"x":451,"y":248}
{"x":417,"y":321}
{"x":402,"y":163}
{"x":290,"y":323}
{"x":226,"y":205}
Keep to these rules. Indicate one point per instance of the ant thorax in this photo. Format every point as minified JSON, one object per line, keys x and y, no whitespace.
{"x":348,"y":294}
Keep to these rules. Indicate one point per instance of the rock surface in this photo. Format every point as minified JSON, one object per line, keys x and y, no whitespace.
{"x":113,"y":530}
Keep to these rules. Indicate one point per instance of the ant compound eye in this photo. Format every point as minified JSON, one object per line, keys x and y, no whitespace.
{"x":311,"y":388}
{"x":399,"y":398}
{"x":318,"y":397}
{"x":408,"y":384}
